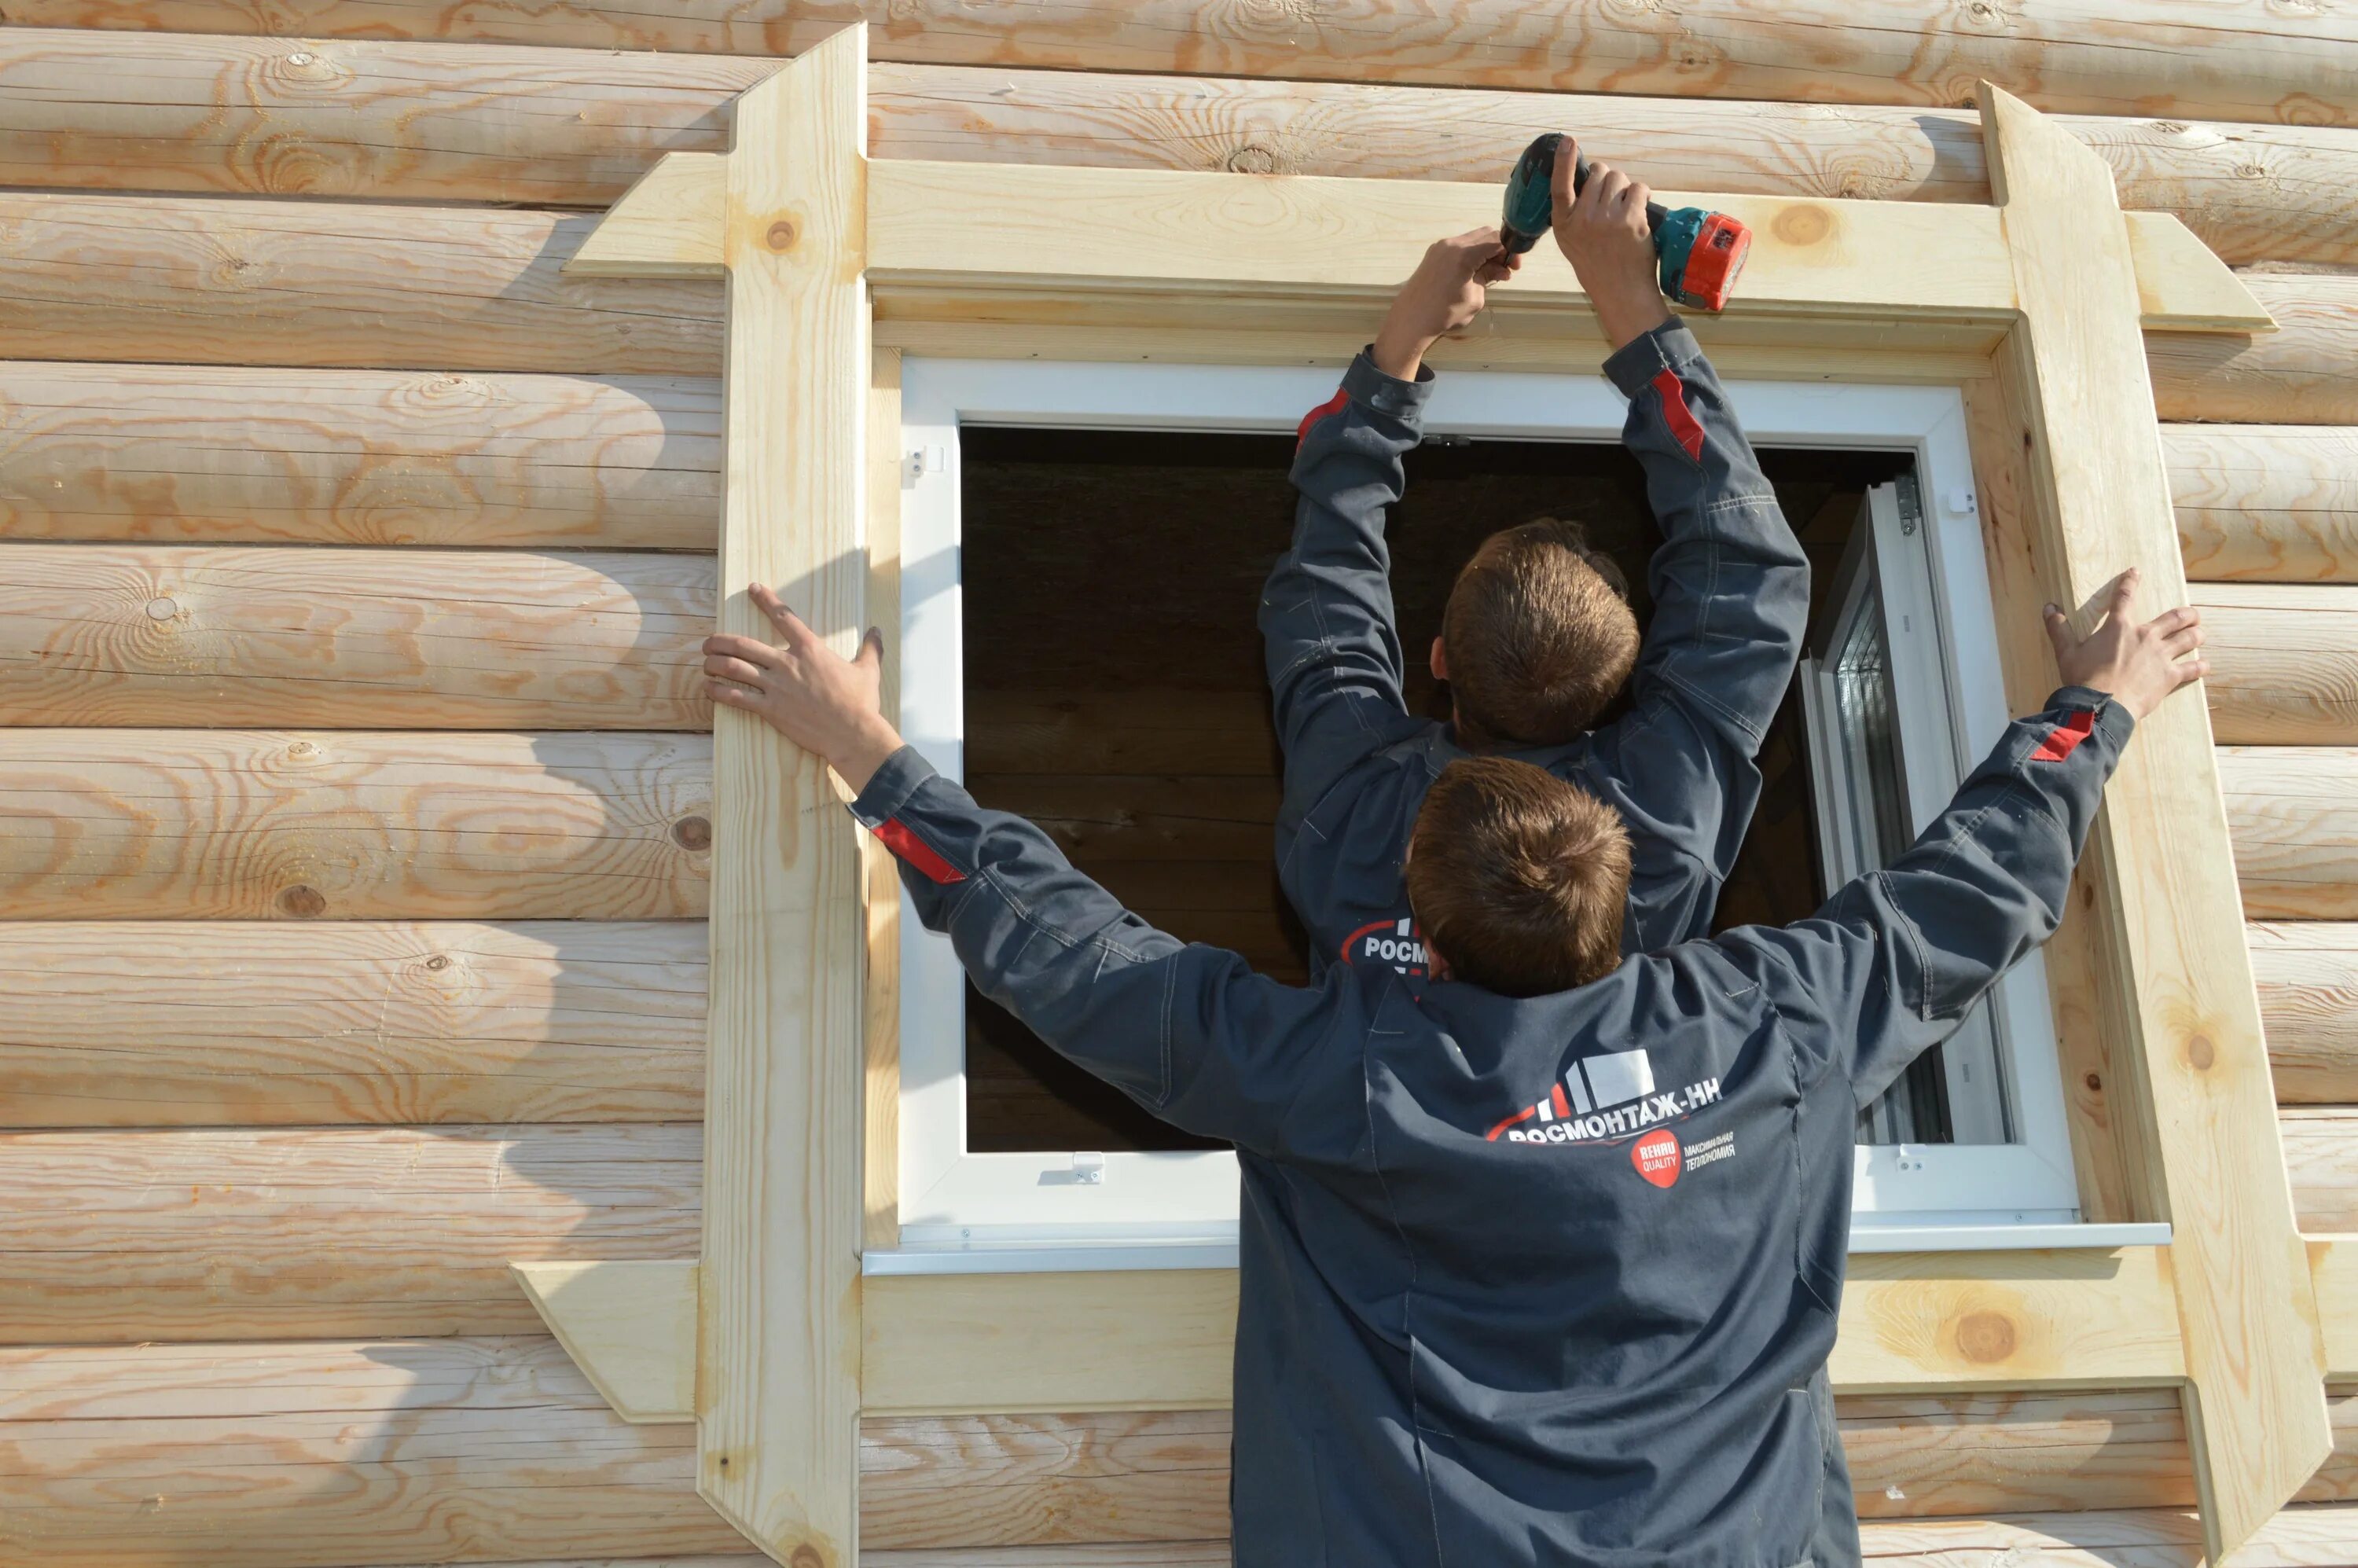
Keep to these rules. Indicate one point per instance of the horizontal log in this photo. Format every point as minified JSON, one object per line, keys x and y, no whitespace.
{"x":231,"y":455}
{"x":237,"y":824}
{"x":116,"y":1236}
{"x":193,"y":281}
{"x":120,"y":1236}
{"x":2181,"y":57}
{"x":313,"y":1455}
{"x":2308,"y":975}
{"x":133,"y":1023}
{"x":309,"y":1455}
{"x":204,"y":281}
{"x":2292,"y":812}
{"x":2305,"y":372}
{"x":353,"y":639}
{"x":2265,"y":502}
{"x":199,"y":114}
{"x":2284,"y":662}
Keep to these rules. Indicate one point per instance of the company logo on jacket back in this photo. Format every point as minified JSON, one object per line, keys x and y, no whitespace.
{"x":1605,"y":1099}
{"x":1391,"y":941}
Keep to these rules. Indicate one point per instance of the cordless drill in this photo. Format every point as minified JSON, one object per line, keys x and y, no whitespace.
{"x":1702,"y":251}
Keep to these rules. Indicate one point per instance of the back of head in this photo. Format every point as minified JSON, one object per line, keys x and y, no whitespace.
{"x":1519,"y":880}
{"x":1539,"y":637}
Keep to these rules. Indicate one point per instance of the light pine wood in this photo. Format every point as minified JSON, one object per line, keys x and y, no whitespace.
{"x":2265,"y":502}
{"x":2294,"y":810}
{"x":2305,"y":372}
{"x":2297,"y":1538}
{"x":2100,"y":1108}
{"x":138,"y":1024}
{"x":2179,"y":980}
{"x":2322,"y":1157}
{"x":2284,"y":662}
{"x":353,"y":639}
{"x":226,"y":1234}
{"x":880,"y":1102}
{"x":319,"y":1454}
{"x":442,"y":122}
{"x":629,"y":1331}
{"x":2008,"y":1319}
{"x":778,"y":1374}
{"x":2308,"y":975}
{"x":241,"y":824}
{"x":195,"y":281}
{"x":308,"y":457}
{"x":2334,"y":1264}
{"x":669,"y":225}
{"x":2241,"y":61}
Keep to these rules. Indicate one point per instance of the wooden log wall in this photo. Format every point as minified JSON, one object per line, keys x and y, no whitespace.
{"x":352,"y":563}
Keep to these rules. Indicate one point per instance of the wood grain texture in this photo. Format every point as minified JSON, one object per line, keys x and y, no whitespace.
{"x":237,"y":824}
{"x":625,"y":1325}
{"x":2333,"y":1265}
{"x":2180,"y":982}
{"x":2306,"y":372}
{"x":2294,"y":812}
{"x":2265,"y":502}
{"x":2243,"y":61}
{"x":199,"y":114}
{"x":2284,"y":662}
{"x":196,"y":281}
{"x":309,"y":457}
{"x":138,"y":1024}
{"x":120,"y":1237}
{"x":313,"y":1455}
{"x":2308,"y":975}
{"x":353,"y":639}
{"x":2321,"y":1158}
{"x":879,"y":893}
{"x":778,"y":1391}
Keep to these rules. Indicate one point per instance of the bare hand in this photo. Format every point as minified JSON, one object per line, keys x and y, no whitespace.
{"x":807,"y":691}
{"x":1603,"y":232}
{"x":2136,"y":663}
{"x":1448,"y":289}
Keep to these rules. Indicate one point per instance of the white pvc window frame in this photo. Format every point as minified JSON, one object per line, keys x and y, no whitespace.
{"x":1048,"y":1211}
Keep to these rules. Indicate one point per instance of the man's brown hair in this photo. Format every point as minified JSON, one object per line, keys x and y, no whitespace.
{"x":1518,"y":879}
{"x":1538,"y":636}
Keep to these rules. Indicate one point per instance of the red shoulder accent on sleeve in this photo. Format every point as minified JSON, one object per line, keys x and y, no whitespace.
{"x":897,"y":837}
{"x":1332,"y":405}
{"x":2065,"y":738}
{"x":1675,"y":412}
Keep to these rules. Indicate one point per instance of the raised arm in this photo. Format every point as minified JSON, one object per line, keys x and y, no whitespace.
{"x":1328,"y":632}
{"x":1190,"y":1032}
{"x":1730,"y":585}
{"x":1895,"y":960}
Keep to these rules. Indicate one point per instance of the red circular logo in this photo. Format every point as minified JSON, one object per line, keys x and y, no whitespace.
{"x":1656,"y":1155}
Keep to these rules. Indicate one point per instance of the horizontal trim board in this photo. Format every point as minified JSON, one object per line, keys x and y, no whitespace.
{"x":2158,"y":57}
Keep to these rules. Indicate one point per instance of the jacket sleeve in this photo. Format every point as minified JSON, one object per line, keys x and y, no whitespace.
{"x":1326,"y":623}
{"x":1731,"y":592}
{"x":1188,"y":1031}
{"x":1895,"y":960}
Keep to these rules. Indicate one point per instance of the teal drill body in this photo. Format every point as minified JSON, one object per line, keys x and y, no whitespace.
{"x":1701,"y":252}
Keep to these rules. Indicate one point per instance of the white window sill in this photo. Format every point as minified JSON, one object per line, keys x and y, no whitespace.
{"x":1962,"y":1235}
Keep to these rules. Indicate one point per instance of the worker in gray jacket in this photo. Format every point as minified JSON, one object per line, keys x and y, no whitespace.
{"x":1534,"y":643}
{"x":1531,"y":1272}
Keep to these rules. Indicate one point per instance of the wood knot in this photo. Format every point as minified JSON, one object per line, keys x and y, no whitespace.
{"x":2095,"y":1084}
{"x":161,"y":608}
{"x":1253,"y":158}
{"x":781,"y":236}
{"x":302,"y":901}
{"x":301,"y":748}
{"x":439,"y":962}
{"x":1802,"y":225}
{"x":1985,"y":1338}
{"x":805,"y":1557}
{"x":2200,"y":1053}
{"x":692,"y":833}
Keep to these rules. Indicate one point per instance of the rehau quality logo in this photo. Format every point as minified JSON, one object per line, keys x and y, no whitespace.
{"x":1602,"y":1097}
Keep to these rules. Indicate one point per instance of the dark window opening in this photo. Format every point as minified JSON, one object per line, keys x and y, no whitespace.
{"x":1115,"y":691}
